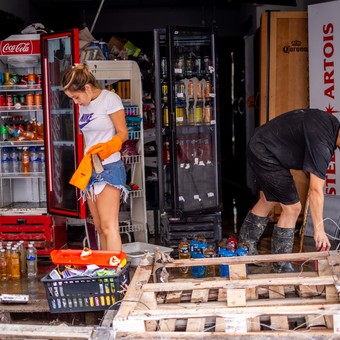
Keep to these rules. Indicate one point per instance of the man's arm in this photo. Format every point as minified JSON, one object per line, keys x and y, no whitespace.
{"x":316,"y":203}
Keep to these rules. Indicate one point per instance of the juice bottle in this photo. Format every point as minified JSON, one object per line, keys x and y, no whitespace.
{"x":25,"y":159}
{"x":184,"y":253}
{"x":15,"y":260}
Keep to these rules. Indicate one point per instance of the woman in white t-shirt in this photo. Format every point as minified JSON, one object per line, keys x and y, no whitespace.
{"x":102,"y":122}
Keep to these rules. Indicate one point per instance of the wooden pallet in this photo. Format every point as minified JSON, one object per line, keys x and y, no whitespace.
{"x":257,"y":306}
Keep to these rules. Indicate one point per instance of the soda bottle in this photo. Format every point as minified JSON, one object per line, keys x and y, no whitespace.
{"x":15,"y":259}
{"x":3,"y":265}
{"x":25,"y":160}
{"x":184,"y":253}
{"x":31,"y":260}
{"x":209,"y":253}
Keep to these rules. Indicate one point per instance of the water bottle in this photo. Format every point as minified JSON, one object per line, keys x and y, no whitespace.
{"x":34,"y":159}
{"x":32,"y":261}
{"x":5,"y":161}
{"x":41,"y":157}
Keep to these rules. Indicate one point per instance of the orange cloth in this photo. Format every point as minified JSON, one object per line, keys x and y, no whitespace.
{"x":82,"y":175}
{"x":104,"y":150}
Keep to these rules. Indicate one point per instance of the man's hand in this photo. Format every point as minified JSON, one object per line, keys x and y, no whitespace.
{"x":321,"y":241}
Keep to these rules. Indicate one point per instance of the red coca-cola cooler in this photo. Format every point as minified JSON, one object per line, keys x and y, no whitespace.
{"x":37,"y":201}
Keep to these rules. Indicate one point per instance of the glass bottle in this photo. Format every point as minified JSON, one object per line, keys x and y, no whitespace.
{"x":8,"y":261}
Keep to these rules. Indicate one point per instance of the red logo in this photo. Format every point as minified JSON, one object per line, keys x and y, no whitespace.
{"x":19,"y":47}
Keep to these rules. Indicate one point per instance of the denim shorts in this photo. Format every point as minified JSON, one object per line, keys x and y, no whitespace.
{"x":114,"y":174}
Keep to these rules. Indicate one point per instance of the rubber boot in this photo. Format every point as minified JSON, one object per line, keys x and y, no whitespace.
{"x":251,"y":230}
{"x":282,"y":243}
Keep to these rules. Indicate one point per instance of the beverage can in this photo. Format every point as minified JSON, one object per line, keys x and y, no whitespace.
{"x":199,"y":90}
{"x":9,"y":100}
{"x":37,"y":99}
{"x":165,"y":115}
{"x":104,"y":48}
{"x":208,"y":113}
{"x":31,"y":79}
{"x":165,"y":91}
{"x":191,"y":89}
{"x":2,"y":100}
{"x":29,"y":99}
{"x":198,"y":118}
{"x":164,"y":67}
{"x":207,"y":89}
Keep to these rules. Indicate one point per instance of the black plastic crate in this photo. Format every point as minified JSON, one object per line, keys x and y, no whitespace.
{"x":85,"y":294}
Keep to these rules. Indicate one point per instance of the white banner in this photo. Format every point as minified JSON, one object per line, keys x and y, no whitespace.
{"x":324,"y":72}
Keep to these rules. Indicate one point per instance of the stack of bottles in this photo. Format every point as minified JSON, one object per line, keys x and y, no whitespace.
{"x":229,"y":248}
{"x":16,"y":261}
{"x":198,"y":248}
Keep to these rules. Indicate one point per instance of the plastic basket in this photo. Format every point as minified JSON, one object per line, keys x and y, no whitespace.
{"x":81,"y":294}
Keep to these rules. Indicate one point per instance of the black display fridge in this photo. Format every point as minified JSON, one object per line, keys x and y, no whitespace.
{"x":187,"y":133}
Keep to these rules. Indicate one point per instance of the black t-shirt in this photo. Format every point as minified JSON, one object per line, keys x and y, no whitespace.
{"x":299,"y":139}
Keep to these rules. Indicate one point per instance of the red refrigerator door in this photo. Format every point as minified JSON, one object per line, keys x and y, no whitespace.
{"x":63,"y":140}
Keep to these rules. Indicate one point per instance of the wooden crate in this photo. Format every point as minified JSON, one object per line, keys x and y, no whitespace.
{"x":299,"y":305}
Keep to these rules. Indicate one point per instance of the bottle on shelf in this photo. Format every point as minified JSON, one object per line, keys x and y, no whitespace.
{"x":3,"y":265}
{"x":15,"y":263}
{"x":8,"y":261}
{"x":23,"y":255}
{"x":184,"y":253}
{"x":5,"y":161}
{"x":25,"y":160}
{"x":32,"y":261}
{"x":34,"y":159}
{"x":41,"y":157}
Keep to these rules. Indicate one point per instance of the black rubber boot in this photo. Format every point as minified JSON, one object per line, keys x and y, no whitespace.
{"x":282,"y":243}
{"x":251,"y":230}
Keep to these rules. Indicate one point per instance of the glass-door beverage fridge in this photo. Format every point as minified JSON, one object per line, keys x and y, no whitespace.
{"x":187,"y":133}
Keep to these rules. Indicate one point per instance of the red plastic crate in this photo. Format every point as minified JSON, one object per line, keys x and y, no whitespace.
{"x":40,"y":228}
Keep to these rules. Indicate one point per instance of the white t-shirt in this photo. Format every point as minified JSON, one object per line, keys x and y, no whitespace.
{"x":95,"y":122}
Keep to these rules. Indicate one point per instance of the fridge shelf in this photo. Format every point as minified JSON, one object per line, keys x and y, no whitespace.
{"x":24,"y":208}
{"x":21,"y":143}
{"x":18,"y":88}
{"x":136,"y":193}
{"x":26,"y":175}
{"x":13,"y":109}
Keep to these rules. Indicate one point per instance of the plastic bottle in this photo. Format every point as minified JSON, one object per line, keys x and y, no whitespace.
{"x":8,"y":262}
{"x":224,"y":268}
{"x":25,"y":160}
{"x":41,"y":157}
{"x":209,"y":253}
{"x":5,"y":161}
{"x":184,"y":253}
{"x":15,"y":267}
{"x":3,"y":265}
{"x":197,"y":248}
{"x":34,"y":159}
{"x":32,"y":261}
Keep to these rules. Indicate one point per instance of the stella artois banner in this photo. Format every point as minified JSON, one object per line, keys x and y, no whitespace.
{"x":24,"y":44}
{"x":324,"y":74}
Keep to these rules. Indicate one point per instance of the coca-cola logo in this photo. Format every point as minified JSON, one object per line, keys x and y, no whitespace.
{"x":19,"y":47}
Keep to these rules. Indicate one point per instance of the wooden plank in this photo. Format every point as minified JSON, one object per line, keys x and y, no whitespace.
{"x":315,"y":321}
{"x":253,"y":324}
{"x":148,"y":299}
{"x":219,"y":322}
{"x":236,"y":297}
{"x":170,"y":324}
{"x":238,"y":271}
{"x":278,"y":322}
{"x":44,"y":332}
{"x":197,"y":324}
